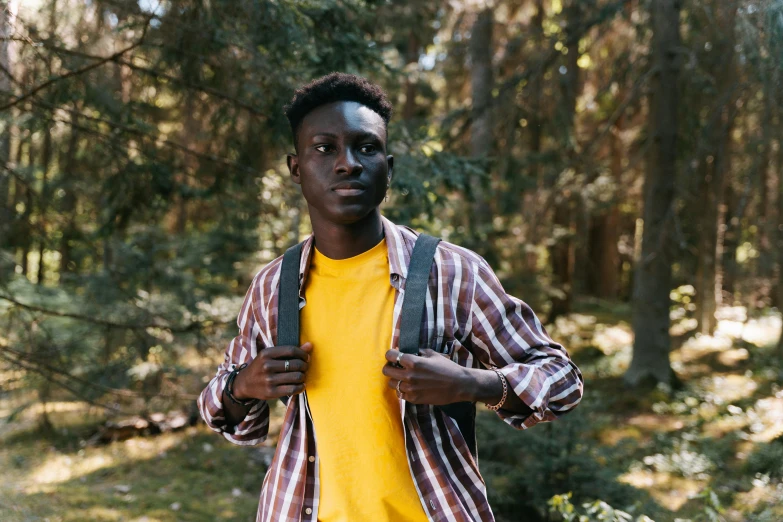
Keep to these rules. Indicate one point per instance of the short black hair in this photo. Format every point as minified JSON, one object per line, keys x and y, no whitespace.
{"x":332,"y":88}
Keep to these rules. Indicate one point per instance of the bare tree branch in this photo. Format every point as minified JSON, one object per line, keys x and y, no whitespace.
{"x":138,"y":132}
{"x":194,"y":326}
{"x":38,"y":365}
{"x":76,"y":72}
{"x":155,"y":74}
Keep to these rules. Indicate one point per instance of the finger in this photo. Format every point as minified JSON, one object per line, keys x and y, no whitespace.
{"x":426,"y":352}
{"x":308,"y":349}
{"x":284,"y":352}
{"x":405,"y":359}
{"x":279,"y":366}
{"x":395,"y":372}
{"x":279,"y":379}
{"x":391,"y":355}
{"x":292,"y":389}
{"x":404,"y":386}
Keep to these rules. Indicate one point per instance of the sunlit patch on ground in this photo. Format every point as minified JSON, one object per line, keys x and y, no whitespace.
{"x":733,"y":357}
{"x":702,"y":435}
{"x":612,"y":436}
{"x":700,"y":345}
{"x":657,"y":423}
{"x":765,"y":499}
{"x":187,"y":475}
{"x":763,"y":331}
{"x":724,"y":425}
{"x":668,"y":490}
{"x":59,"y":468}
{"x":728,"y":388}
{"x":611,"y":339}
{"x":766,"y":418}
{"x":574,"y":329}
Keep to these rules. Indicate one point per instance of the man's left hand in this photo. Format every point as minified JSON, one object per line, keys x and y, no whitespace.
{"x":427,"y":378}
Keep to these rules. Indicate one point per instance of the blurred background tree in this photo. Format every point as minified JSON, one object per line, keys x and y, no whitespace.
{"x":598,"y":153}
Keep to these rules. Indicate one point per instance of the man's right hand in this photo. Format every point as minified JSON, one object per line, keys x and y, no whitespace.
{"x":266,"y":376}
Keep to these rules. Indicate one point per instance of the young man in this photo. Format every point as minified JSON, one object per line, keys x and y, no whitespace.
{"x":361,"y":439}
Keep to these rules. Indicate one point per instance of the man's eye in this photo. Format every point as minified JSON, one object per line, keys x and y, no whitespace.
{"x":323,"y":148}
{"x":368,"y":149}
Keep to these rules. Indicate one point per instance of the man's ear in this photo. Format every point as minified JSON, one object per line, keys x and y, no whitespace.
{"x":293,"y":167}
{"x":390,"y":163}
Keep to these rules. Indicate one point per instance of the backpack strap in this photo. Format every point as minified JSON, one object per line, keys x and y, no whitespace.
{"x":288,"y":300}
{"x":416,"y":285}
{"x":416,"y":292}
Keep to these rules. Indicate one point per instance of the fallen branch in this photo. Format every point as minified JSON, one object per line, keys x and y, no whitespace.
{"x":154,"y":424}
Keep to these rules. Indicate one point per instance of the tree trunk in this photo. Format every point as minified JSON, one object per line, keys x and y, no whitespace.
{"x":717,"y":164}
{"x":779,"y":235}
{"x":605,"y":232}
{"x":780,"y":247}
{"x":481,"y":81}
{"x":531,"y":198}
{"x":411,"y":57}
{"x":767,"y":197}
{"x":730,"y":243}
{"x":46,"y":157}
{"x":69,"y":199}
{"x":563,"y":253}
{"x":25,"y":227}
{"x":6,"y":210}
{"x":653,"y":278}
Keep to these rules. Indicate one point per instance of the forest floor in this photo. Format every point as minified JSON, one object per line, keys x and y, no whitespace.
{"x":715,"y":443}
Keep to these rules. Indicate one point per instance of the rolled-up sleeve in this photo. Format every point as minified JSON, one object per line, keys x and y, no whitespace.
{"x":242,"y":349}
{"x":538,"y":370}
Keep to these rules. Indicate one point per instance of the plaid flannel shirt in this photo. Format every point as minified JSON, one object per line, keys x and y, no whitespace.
{"x":469,"y":318}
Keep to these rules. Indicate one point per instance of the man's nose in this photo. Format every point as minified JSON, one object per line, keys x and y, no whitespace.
{"x":348,"y":163}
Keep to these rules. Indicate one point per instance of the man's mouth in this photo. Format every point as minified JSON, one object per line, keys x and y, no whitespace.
{"x":349,"y":192}
{"x":349,"y":188}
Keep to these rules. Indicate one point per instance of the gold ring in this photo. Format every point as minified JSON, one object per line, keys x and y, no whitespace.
{"x":399,"y":392}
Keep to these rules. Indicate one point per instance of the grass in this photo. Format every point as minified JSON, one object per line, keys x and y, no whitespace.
{"x":190,"y":475}
{"x":715,"y":444}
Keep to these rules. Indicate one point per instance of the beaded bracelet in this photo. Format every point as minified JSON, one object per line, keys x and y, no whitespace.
{"x":497,"y":406}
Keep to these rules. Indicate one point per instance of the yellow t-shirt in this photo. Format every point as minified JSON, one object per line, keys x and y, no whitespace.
{"x":364,"y":472}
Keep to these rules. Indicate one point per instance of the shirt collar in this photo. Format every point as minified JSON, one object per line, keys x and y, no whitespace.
{"x":399,"y":254}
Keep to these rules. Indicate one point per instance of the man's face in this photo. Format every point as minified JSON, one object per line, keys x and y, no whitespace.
{"x":341,"y":162}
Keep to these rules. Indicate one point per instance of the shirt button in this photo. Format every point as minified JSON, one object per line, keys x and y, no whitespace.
{"x":309,"y":511}
{"x":311,"y":458}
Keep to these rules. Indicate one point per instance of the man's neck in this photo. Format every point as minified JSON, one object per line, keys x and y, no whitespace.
{"x":337,"y":241}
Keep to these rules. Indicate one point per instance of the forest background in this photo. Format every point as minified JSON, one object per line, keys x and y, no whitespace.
{"x":617,"y":161}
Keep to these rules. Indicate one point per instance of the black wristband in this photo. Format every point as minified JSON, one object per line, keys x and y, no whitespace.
{"x":230,"y":387}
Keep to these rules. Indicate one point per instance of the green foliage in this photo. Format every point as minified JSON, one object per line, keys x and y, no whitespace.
{"x":524,"y":469}
{"x":767,"y":459}
{"x":596,"y":511}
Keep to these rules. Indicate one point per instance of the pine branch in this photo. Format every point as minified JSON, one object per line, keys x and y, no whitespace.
{"x":41,"y":367}
{"x":194,"y":326}
{"x":575,"y":34}
{"x":116,"y":58}
{"x":138,"y":132}
{"x":76,"y":72}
